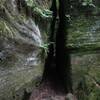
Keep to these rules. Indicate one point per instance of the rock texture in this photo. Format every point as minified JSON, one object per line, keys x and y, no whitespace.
{"x":21,"y":44}
{"x":84,"y":44}
{"x":84,"y":32}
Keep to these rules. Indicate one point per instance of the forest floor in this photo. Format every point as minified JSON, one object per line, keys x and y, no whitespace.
{"x":51,"y":88}
{"x":48,"y":91}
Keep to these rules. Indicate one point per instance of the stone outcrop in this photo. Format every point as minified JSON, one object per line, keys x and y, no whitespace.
{"x":84,"y":45}
{"x":22,"y":39}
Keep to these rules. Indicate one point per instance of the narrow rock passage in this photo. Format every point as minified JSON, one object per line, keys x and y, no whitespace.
{"x":54,"y":86}
{"x":51,"y":87}
{"x":48,"y":91}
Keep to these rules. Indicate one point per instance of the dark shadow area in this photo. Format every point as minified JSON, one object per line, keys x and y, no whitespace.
{"x":50,"y":61}
{"x":57,"y":66}
{"x":21,"y":5}
{"x":26,"y":95}
{"x":50,"y":72}
{"x":62,"y":53}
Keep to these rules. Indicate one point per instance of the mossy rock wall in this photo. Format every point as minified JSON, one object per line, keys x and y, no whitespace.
{"x":21,"y":46}
{"x":84,"y":32}
{"x":84,"y":45}
{"x":86,"y":75}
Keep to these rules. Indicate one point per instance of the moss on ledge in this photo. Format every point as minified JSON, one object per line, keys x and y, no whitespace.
{"x":84,"y":33}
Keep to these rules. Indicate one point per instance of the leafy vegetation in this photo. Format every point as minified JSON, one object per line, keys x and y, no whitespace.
{"x":87,"y":3}
{"x":44,"y":13}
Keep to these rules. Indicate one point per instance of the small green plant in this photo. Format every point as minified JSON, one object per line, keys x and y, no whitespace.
{"x":88,"y":3}
{"x":30,"y":3}
{"x":45,"y":47}
{"x":44,"y":13}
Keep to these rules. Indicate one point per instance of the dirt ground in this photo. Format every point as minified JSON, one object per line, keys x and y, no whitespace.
{"x":48,"y":91}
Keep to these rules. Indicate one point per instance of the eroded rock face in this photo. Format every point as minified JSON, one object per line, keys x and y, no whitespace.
{"x":84,"y":33}
{"x":21,"y":41}
{"x":86,"y":73}
{"x":84,"y":41}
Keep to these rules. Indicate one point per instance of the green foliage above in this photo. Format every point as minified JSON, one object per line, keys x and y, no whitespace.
{"x":42,"y":12}
{"x":30,"y":3}
{"x":88,"y":3}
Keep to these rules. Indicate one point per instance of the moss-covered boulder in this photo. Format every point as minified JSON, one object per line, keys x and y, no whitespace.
{"x":22,"y":39}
